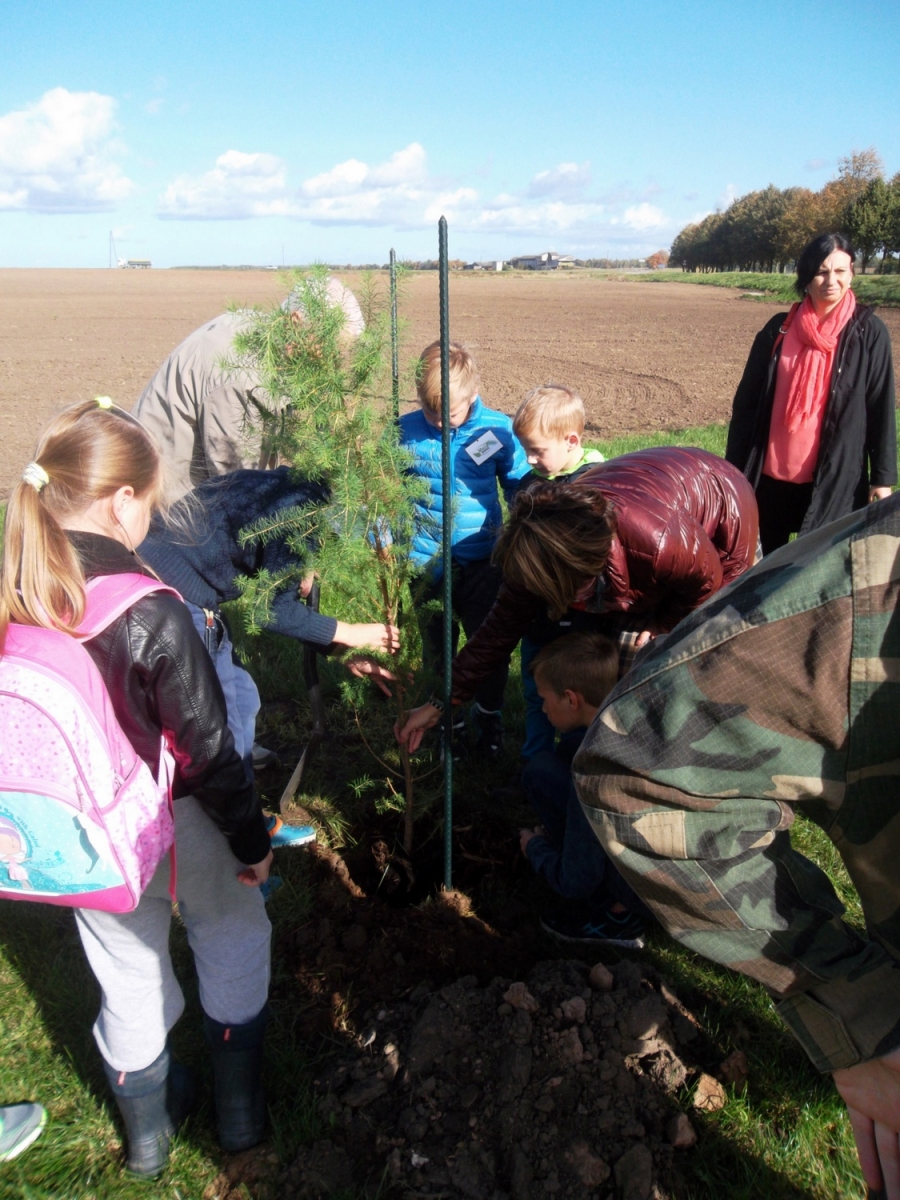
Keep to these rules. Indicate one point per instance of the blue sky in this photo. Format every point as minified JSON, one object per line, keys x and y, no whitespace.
{"x":221,"y":132}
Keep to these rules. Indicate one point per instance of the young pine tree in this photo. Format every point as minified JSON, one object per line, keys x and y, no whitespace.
{"x":333,"y":422}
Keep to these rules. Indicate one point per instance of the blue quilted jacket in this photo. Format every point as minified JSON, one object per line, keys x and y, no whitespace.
{"x":482,"y":451}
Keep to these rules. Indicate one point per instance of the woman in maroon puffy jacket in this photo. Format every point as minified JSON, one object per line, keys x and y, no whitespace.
{"x":635,"y":543}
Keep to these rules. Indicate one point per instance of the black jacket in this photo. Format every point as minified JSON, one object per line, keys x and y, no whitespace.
{"x":205,"y":562}
{"x":859,"y":434}
{"x":159,"y":677}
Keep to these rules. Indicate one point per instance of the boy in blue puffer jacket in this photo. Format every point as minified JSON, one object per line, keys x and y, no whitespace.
{"x":484,"y":451}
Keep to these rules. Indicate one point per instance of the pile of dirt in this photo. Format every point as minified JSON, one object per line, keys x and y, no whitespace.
{"x":468,"y":1069}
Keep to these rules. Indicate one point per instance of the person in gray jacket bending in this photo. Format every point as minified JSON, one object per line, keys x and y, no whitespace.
{"x":206,"y":417}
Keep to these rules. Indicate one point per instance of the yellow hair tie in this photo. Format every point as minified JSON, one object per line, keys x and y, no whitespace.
{"x":104,"y":401}
{"x":35,"y":474}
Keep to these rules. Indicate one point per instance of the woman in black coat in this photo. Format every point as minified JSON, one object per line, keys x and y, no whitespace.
{"x":812,"y":424}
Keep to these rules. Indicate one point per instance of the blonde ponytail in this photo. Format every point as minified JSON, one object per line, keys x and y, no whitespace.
{"x":87,"y":453}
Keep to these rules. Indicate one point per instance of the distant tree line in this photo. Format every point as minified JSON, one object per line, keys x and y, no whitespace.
{"x":610,"y":264}
{"x":766,"y":230}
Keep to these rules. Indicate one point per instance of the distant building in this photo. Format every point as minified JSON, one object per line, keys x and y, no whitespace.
{"x":139,"y":263}
{"x":493,"y":264}
{"x":548,"y":261}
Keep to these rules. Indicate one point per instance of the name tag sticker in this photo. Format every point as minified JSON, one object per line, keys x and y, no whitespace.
{"x":484,"y":447}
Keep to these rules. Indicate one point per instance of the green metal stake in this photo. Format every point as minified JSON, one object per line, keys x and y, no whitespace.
{"x":395,"y":349}
{"x":443,"y":274}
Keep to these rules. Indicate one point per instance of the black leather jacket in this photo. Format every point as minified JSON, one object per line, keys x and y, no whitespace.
{"x":160,"y":677}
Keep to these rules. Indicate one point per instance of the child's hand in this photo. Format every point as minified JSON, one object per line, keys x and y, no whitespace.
{"x":306,"y":583}
{"x":525,"y":836}
{"x":410,"y":735}
{"x":377,"y":637}
{"x":256,"y":873}
{"x":648,"y":634}
{"x":367,"y":668}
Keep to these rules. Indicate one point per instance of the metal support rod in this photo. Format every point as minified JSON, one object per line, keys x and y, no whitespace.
{"x":395,"y":349}
{"x":447,"y":544}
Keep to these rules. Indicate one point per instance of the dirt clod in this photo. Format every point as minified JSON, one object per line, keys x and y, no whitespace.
{"x":710,"y":1095}
{"x":735,"y":1070}
{"x":680,"y":1132}
{"x":601,"y":978}
{"x":517,"y":995}
{"x":634,"y":1173}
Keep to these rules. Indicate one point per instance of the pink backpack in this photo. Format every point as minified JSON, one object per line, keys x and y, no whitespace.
{"x":82,"y":820}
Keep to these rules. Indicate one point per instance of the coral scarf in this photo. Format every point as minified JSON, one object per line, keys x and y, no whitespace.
{"x":812,"y":372}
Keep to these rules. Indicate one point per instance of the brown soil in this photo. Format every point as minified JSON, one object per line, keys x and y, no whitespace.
{"x":645,"y":356}
{"x":464,"y":1062}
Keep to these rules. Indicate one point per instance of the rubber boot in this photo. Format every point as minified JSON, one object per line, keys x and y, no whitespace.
{"x":237,"y":1056}
{"x":142,"y":1099}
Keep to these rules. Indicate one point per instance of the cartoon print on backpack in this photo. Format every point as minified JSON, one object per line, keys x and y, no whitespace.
{"x":13,"y":853}
{"x":51,"y":856}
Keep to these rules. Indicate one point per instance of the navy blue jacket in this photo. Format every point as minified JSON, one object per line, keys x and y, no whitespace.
{"x":483,"y":450}
{"x":205,"y":564}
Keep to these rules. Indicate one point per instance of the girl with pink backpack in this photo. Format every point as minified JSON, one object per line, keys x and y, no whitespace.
{"x":72,"y":524}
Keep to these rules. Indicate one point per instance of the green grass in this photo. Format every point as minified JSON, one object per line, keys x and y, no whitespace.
{"x":48,"y":1000}
{"x":870,"y":289}
{"x":787,"y":1136}
{"x":705,"y":437}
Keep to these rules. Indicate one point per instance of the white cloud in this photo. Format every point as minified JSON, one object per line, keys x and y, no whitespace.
{"x":401,"y":193}
{"x":643,"y":216}
{"x":58,"y":155}
{"x":342,"y":180}
{"x":406,"y":166}
{"x":567,"y":179}
{"x":552,"y":219}
{"x":239,"y":186}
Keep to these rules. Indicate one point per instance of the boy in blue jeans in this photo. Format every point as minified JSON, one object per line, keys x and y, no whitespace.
{"x":484,"y":452}
{"x":574,"y":675}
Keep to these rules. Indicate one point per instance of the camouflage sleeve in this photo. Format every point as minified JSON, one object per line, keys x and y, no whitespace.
{"x":781,"y":692}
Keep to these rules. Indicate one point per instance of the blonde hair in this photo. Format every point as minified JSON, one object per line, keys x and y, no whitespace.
{"x":464,"y":378}
{"x":86,"y":453}
{"x":558,"y":536}
{"x":552,"y":410}
{"x":585,"y":663}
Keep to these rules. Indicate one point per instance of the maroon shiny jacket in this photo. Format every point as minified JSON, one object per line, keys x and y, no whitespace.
{"x":686,"y":523}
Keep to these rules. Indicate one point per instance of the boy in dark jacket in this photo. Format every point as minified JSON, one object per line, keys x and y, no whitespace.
{"x":484,"y":452}
{"x":574,"y":675}
{"x":206,"y":562}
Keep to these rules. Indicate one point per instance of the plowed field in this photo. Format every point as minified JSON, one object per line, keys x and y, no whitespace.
{"x":645,"y":356}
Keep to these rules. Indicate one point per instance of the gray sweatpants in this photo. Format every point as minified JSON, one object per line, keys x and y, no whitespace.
{"x":228,"y":932}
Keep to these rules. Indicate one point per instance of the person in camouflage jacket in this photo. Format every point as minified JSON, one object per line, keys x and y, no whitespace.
{"x":783,"y":690}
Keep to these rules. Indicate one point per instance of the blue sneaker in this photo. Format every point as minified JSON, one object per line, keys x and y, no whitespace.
{"x":270,"y":887}
{"x":288,"y":835}
{"x":601,"y":928}
{"x":20,"y":1125}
